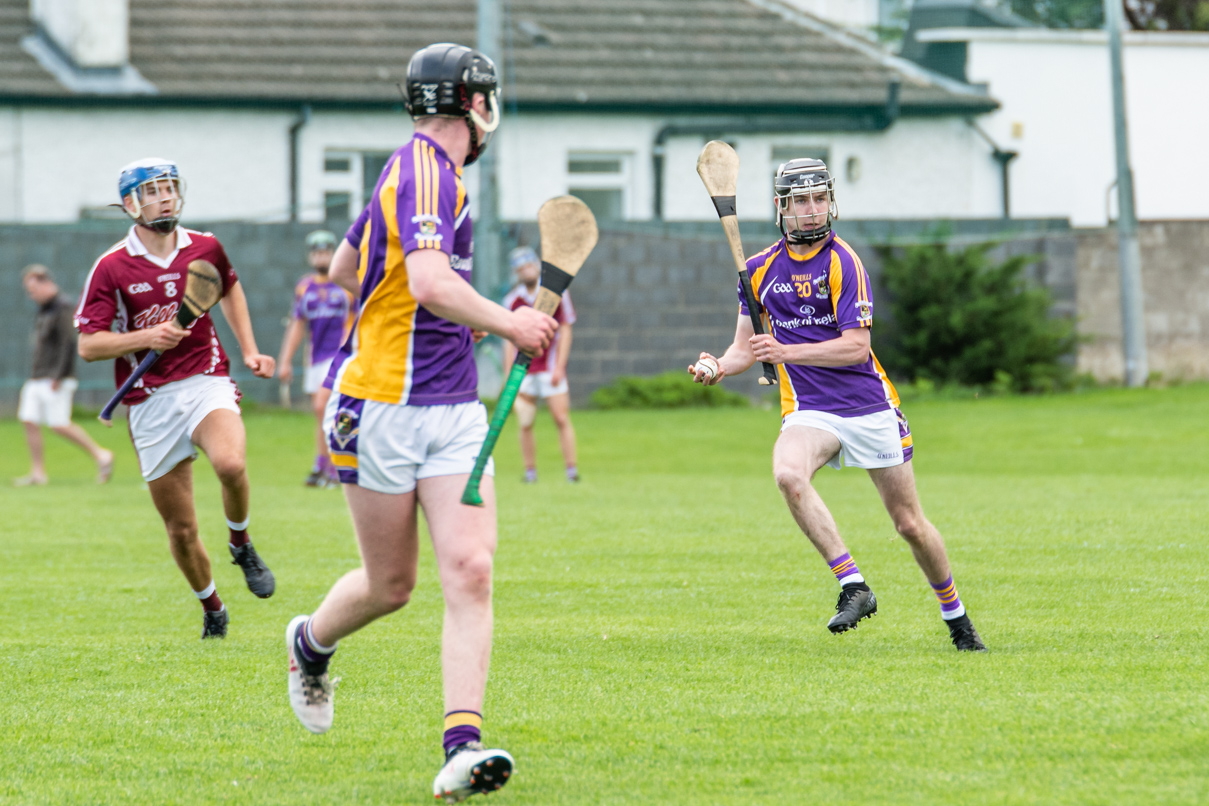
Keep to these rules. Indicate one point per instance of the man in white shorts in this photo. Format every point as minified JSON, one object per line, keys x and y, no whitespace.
{"x":404,"y":422}
{"x":838,"y":407}
{"x":325,"y":311}
{"x":46,"y":396}
{"x":547,"y":376}
{"x":186,"y":400}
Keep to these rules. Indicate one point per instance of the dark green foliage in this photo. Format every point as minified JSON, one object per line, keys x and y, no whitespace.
{"x":1060,"y":13}
{"x":957,"y":318}
{"x":670,"y":390}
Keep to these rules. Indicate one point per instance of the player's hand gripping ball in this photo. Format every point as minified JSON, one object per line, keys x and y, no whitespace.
{"x":706,"y":370}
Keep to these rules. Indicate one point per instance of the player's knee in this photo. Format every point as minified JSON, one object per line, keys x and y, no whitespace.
{"x":471,"y":575}
{"x":909,"y":525}
{"x":393,"y":597}
{"x":526,"y":412}
{"x":791,"y":480}
{"x":181,"y":532}
{"x":229,"y":469}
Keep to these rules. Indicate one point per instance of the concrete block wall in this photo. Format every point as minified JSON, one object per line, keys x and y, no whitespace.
{"x":1175,"y":281}
{"x":651,"y":297}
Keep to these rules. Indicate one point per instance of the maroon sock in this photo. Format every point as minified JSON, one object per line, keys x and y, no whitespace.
{"x":209,"y":603}
{"x":239,"y":538}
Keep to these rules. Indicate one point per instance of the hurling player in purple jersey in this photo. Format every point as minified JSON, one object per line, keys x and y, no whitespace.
{"x":838,"y":408}
{"x":326,"y":312}
{"x":404,"y":423}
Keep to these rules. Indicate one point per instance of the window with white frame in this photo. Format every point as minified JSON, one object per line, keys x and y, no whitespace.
{"x":602,"y":181}
{"x":349,"y":178}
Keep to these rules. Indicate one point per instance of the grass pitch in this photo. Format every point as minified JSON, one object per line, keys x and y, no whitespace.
{"x":659,"y":628}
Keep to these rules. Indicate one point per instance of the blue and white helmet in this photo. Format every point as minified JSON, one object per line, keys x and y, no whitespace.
{"x":140,"y":173}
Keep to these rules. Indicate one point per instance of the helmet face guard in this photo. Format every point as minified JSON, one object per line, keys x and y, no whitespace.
{"x":806,"y":179}
{"x":150,"y":181}
{"x":442,"y":81}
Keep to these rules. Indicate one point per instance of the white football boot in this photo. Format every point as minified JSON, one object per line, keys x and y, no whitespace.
{"x":310,"y":695}
{"x":471,"y":770}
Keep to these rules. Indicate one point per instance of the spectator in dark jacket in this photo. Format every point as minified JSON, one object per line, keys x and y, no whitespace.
{"x":46,"y":396}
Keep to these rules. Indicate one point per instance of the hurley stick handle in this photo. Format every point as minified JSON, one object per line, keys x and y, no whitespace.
{"x":725,"y":205}
{"x":503,"y":406}
{"x":106,"y":415}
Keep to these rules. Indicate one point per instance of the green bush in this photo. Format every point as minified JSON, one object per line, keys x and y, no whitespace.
{"x":670,"y":390}
{"x":957,"y":318}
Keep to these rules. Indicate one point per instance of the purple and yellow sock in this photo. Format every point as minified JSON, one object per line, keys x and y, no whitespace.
{"x":462,"y":727}
{"x":845,"y":570}
{"x":950,"y":603}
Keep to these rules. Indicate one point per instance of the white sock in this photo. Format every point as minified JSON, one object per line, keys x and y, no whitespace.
{"x":239,"y":527}
{"x":207,"y":593}
{"x":315,"y":645}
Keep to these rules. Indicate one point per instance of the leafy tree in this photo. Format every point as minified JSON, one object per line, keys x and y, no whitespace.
{"x":1059,"y":13}
{"x":1168,"y":15}
{"x":1143,"y":15}
{"x":957,"y":318}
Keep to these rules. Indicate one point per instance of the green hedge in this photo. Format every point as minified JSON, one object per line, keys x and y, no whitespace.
{"x":958,"y":318}
{"x":670,"y":390}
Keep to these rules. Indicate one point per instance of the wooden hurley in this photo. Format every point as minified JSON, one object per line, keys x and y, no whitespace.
{"x":569,"y":234}
{"x":203,"y":290}
{"x":718,"y":167}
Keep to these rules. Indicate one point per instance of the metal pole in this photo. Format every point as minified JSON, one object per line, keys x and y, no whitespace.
{"x":488,"y":261}
{"x":1133,"y":321}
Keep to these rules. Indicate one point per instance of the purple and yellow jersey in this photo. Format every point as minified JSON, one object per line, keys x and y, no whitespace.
{"x":329,"y":312}
{"x":813,"y":298}
{"x":400,"y":352}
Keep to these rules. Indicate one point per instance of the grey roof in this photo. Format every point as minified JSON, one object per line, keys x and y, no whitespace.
{"x":669,"y":55}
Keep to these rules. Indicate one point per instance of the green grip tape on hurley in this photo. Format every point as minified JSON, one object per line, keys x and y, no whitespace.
{"x":507,"y":397}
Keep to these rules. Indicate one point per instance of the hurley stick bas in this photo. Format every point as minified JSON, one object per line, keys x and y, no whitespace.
{"x":718,"y":167}
{"x":568,"y":234}
{"x":203,"y":290}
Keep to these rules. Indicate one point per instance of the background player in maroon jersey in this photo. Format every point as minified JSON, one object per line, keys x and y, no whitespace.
{"x":187,"y":399}
{"x":547,"y":376}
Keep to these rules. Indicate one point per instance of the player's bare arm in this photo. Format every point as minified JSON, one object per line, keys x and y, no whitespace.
{"x":235,"y":309}
{"x":294,"y":334}
{"x":563,"y":354}
{"x":343,"y":271}
{"x":438,"y":288}
{"x":106,"y":345}
{"x":852,"y":347}
{"x":737,"y":359}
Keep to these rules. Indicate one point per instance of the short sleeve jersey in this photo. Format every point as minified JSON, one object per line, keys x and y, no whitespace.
{"x":400,"y":352}
{"x":130,"y":289}
{"x":329,"y":312}
{"x":564,"y":314}
{"x":814,"y":298}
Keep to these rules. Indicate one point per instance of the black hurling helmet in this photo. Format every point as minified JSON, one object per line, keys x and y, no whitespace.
{"x":441,"y":81}
{"x":803,"y":177}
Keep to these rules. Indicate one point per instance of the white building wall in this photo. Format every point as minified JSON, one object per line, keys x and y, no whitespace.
{"x":56,"y":162}
{"x":918,"y":168}
{"x":234,"y":162}
{"x":1057,"y":113}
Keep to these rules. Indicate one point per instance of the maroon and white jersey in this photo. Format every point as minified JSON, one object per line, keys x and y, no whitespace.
{"x":130,"y":289}
{"x":564,"y":314}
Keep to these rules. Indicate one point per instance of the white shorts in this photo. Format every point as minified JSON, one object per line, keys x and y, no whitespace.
{"x":315,"y":375}
{"x":880,"y":439}
{"x":162,"y":426}
{"x":537,"y":384}
{"x":386,"y":447}
{"x":42,"y":405}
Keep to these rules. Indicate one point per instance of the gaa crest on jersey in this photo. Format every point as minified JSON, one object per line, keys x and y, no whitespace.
{"x":346,"y":427}
{"x":824,"y":291}
{"x":864,"y":310}
{"x":427,"y":225}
